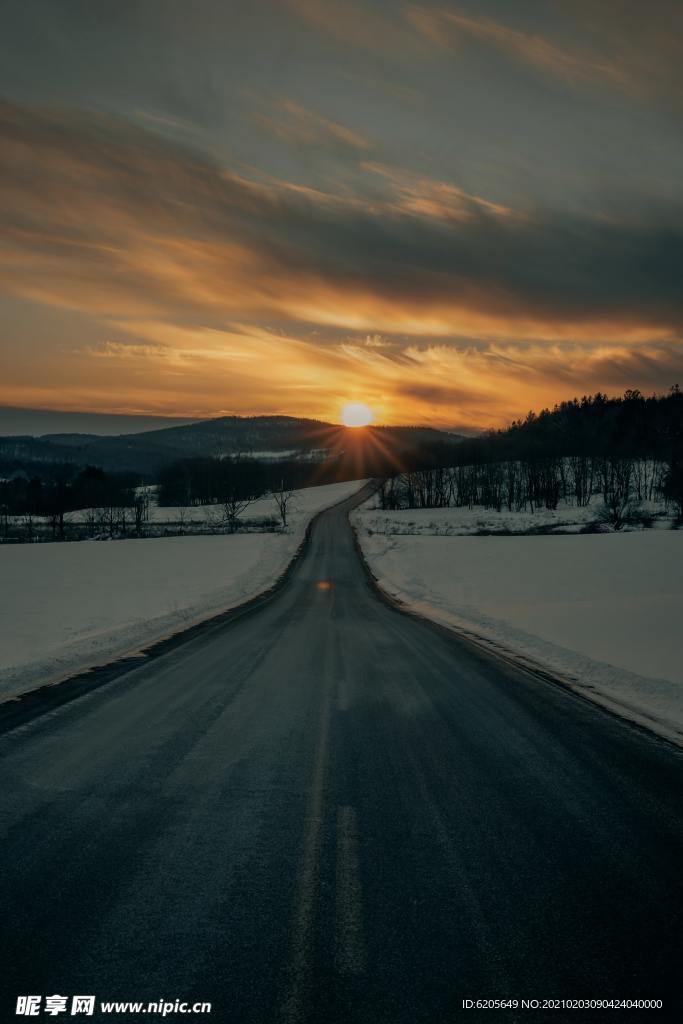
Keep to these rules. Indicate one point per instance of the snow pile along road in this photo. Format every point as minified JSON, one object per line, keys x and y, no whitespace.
{"x":65,"y":607}
{"x":601,"y":611}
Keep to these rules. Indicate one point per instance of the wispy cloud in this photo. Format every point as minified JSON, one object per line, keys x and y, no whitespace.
{"x":446,"y":28}
{"x":644,"y":42}
{"x":437,"y":382}
{"x":424,"y":197}
{"x":354,"y":23}
{"x":295,"y":125}
{"x":625,"y":45}
{"x":100,"y":214}
{"x":173,"y":251}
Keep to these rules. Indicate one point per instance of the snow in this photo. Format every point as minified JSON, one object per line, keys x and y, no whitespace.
{"x":478,"y":521}
{"x":213,"y":516}
{"x":602,"y":612}
{"x":66,"y":607}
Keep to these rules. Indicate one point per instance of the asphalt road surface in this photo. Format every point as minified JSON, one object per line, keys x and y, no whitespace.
{"x":329,"y":811}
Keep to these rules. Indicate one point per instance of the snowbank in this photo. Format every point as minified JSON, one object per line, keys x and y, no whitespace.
{"x":477,"y":521}
{"x":65,"y":607}
{"x":601,"y":611}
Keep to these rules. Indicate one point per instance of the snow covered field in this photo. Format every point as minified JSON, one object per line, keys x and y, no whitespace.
{"x":65,"y":607}
{"x":602,"y":611}
{"x":478,"y":521}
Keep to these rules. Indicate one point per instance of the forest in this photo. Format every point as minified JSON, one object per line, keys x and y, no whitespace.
{"x":626,"y":452}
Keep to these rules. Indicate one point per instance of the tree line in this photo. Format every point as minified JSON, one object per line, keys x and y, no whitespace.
{"x":625,"y":450}
{"x":633,"y":425}
{"x":231,"y":483}
{"x":209,"y":480}
{"x":109,"y":503}
{"x":93,"y":503}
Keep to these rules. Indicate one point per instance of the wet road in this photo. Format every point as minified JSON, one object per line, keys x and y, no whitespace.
{"x":329,"y":811}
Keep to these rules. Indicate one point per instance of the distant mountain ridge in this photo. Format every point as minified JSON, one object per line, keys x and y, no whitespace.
{"x":146,"y":452}
{"x":31,"y":422}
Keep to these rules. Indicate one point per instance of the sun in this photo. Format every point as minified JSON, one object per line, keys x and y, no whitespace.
{"x":356,"y":414}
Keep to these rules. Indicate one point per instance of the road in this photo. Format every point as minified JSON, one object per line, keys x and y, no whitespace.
{"x":329,"y":811}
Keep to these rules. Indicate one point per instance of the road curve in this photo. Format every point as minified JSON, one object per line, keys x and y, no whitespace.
{"x":329,"y":811}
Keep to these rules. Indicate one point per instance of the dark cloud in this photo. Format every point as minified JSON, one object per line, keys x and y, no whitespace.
{"x":464,"y":205}
{"x":93,"y":201}
{"x":644,"y":42}
{"x":621,"y":45}
{"x":296,"y":126}
{"x":436,"y":394}
{"x":656,"y":368}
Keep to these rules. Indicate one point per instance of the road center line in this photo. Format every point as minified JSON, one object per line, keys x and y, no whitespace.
{"x":302,"y":930}
{"x":349,"y":945}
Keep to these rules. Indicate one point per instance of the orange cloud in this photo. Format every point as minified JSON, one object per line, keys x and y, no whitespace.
{"x":444,"y":27}
{"x":297,"y":126}
{"x":179,"y":264}
{"x":102,"y":216}
{"x":199,"y":372}
{"x":634,"y":48}
{"x":440,"y":200}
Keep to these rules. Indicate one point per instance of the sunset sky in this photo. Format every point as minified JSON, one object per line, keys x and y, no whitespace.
{"x":451,"y":212}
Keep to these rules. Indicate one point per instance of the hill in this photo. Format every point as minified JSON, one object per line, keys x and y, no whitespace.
{"x":265,"y":437}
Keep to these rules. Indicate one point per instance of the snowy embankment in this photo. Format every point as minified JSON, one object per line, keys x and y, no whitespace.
{"x":65,"y":607}
{"x":602,"y":612}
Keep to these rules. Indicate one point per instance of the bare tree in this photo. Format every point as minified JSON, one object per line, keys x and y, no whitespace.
{"x":233,"y":507}
{"x":673,"y":486}
{"x":90,"y":517}
{"x":141,"y":510}
{"x":28,"y":526}
{"x":283,"y":498}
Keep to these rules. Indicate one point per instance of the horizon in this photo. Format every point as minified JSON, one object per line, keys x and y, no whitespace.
{"x":450,"y":213}
{"x":16,"y":422}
